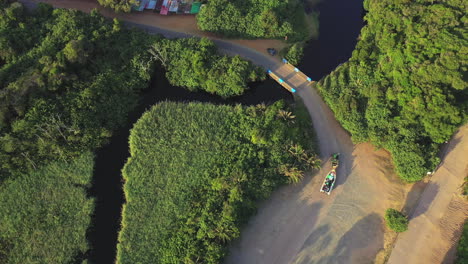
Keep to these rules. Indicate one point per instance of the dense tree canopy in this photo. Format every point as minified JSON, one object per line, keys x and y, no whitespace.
{"x":405,"y":86}
{"x":396,"y":221}
{"x":196,"y":64}
{"x":118,"y":5}
{"x":67,"y":80}
{"x":254,"y":18}
{"x":195,"y":173}
{"x":44,"y":214}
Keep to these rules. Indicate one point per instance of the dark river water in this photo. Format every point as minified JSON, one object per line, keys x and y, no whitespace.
{"x":340,"y":23}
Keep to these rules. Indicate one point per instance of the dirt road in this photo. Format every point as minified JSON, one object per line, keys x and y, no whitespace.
{"x":184,"y":24}
{"x":435,"y":224}
{"x":298,"y":224}
{"x":301,"y":225}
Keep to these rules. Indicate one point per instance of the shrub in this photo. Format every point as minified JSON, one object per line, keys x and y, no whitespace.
{"x":294,"y":53}
{"x":396,"y":220}
{"x":462,"y":248}
{"x":261,"y":19}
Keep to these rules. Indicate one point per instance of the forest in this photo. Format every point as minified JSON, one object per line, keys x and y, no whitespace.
{"x":255,"y":19}
{"x":195,"y":174}
{"x":244,"y":18}
{"x":67,"y":82}
{"x":404,"y":88}
{"x":196,"y":65}
{"x":63,"y":90}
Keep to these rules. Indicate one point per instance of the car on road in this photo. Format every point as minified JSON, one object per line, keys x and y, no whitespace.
{"x":271,"y":51}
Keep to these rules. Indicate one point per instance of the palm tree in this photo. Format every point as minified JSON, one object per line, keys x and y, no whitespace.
{"x":313,"y":161}
{"x":296,"y":150}
{"x":286,"y":115}
{"x":294,"y":174}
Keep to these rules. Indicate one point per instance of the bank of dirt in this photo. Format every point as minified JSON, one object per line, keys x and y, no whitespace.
{"x":436,"y":223}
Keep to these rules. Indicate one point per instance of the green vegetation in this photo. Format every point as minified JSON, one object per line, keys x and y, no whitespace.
{"x":465,"y":188}
{"x":44,"y":214}
{"x":293,"y":53}
{"x":68,"y":80}
{"x":255,"y":19}
{"x":404,"y":88}
{"x":396,"y":220}
{"x":196,"y":172}
{"x":63,"y":90}
{"x":462,"y":248}
{"x":195,"y":64}
{"x":118,"y":5}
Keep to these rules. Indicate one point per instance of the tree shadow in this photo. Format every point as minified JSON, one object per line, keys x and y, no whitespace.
{"x":319,"y":239}
{"x":446,"y":149}
{"x":387,"y":168}
{"x":425,"y":200}
{"x":413,"y":196}
{"x":366,"y":232}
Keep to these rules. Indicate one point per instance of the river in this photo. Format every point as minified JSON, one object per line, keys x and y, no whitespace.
{"x":107,"y":179}
{"x":340,"y":23}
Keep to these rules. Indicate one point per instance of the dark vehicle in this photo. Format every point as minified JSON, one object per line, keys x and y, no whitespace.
{"x":330,"y":180}
{"x":271,"y":51}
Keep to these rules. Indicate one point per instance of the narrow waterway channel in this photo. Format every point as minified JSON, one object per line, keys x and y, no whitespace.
{"x":340,"y":23}
{"x":107,"y":179}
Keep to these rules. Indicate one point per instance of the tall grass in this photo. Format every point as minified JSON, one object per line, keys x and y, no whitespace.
{"x":195,"y":174}
{"x":44,"y":215}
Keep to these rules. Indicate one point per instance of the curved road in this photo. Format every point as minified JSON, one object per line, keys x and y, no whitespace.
{"x":301,"y":225}
{"x":298,"y":224}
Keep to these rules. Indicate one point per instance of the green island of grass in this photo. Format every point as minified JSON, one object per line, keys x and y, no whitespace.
{"x":196,"y":172}
{"x":44,"y":214}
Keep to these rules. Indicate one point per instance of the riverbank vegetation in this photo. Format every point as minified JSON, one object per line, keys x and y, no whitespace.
{"x":45,"y":214}
{"x":462,"y":248}
{"x":196,"y":172}
{"x":63,"y":89}
{"x":396,"y":221}
{"x":293,"y":53}
{"x":255,"y":19}
{"x":67,"y":82}
{"x":196,"y":64}
{"x":404,"y":88}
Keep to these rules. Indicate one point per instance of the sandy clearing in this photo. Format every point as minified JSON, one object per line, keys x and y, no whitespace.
{"x":436,"y":223}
